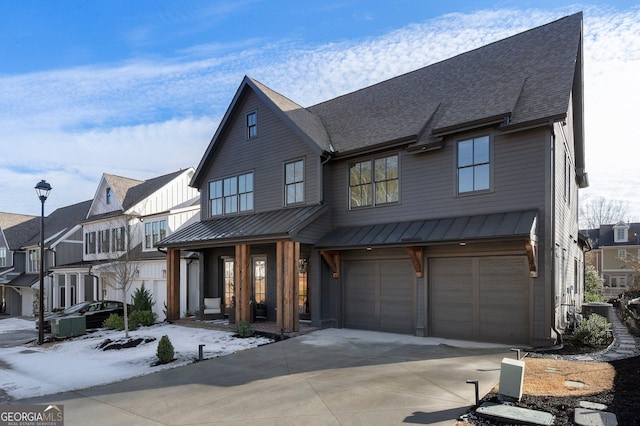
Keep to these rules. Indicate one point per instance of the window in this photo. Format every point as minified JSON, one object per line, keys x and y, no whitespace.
{"x":618,"y":281}
{"x":90,"y":242}
{"x":103,"y":241}
{"x":294,"y":182}
{"x":33,"y":259}
{"x":108,"y":195}
{"x":231,"y":195}
{"x":118,"y":239}
{"x":473,"y":165}
{"x":229,"y":281}
{"x":154,"y":232}
{"x":259,"y":280}
{"x":622,"y":253}
{"x":252,"y":125}
{"x":3,"y":257}
{"x":374,"y":182}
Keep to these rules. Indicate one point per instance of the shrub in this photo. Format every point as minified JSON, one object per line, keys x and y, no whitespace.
{"x":144,"y":318}
{"x":114,"y":322}
{"x":594,"y":330}
{"x":243,"y":329}
{"x":142,"y":299}
{"x":165,"y":351}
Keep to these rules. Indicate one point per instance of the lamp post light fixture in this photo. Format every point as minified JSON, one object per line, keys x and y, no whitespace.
{"x":42,"y":189}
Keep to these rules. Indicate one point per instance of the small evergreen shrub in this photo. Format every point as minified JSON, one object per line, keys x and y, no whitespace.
{"x":593,"y":331}
{"x":165,"y":350}
{"x":142,"y":299}
{"x":141,"y":318}
{"x":243,"y":329}
{"x":114,"y":322}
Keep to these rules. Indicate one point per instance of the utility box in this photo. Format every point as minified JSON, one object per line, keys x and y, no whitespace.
{"x":68,"y":326}
{"x":511,"y":378}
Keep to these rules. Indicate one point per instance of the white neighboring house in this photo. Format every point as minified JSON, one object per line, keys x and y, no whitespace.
{"x":130,"y":215}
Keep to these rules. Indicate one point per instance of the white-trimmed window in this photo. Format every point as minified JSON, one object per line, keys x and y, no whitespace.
{"x":108,"y":195}
{"x":622,"y":253}
{"x":231,"y":195}
{"x":252,"y":125}
{"x":154,"y":232}
{"x":621,"y":233}
{"x":474,"y":165}
{"x":33,"y":260}
{"x":3,"y":257}
{"x":374,"y":182}
{"x":294,"y":182}
{"x":118,"y":239}
{"x":103,"y":241}
{"x":90,"y":242}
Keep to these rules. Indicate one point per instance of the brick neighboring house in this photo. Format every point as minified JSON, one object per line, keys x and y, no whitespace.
{"x":442,"y":202}
{"x":615,"y":254}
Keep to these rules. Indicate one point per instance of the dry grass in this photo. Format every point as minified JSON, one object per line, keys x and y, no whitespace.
{"x":548,"y":377}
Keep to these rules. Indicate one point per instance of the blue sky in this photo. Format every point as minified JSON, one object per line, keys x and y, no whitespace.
{"x":84,"y":82}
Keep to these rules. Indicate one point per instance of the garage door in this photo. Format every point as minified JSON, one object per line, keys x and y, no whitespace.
{"x":480,"y":298}
{"x":379,"y":295}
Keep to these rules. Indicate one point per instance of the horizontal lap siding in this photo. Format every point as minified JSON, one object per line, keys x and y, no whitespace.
{"x":427,"y":183}
{"x":265,"y":155}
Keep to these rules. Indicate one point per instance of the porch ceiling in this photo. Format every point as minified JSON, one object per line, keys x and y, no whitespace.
{"x":431,"y":231}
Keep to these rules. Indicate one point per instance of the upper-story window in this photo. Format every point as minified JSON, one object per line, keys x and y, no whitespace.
{"x":231,"y":195}
{"x":3,"y":257}
{"x":33,"y":260}
{"x":474,"y":167}
{"x":103,"y":241}
{"x":90,"y":242}
{"x":622,"y":253}
{"x":252,"y":125}
{"x":294,"y":182}
{"x":108,"y":195}
{"x":118,"y":239}
{"x":621,"y":232}
{"x":374,"y":182}
{"x":154,"y":232}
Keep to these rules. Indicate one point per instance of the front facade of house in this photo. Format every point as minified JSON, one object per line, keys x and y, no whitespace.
{"x":615,"y":255}
{"x":442,"y":202}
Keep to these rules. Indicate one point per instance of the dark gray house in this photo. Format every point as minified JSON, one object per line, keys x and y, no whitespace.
{"x":442,"y":202}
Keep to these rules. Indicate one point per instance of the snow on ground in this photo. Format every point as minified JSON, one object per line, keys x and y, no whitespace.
{"x":32,"y":370}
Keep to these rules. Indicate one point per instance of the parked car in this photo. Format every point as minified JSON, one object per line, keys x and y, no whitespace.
{"x":95,"y":312}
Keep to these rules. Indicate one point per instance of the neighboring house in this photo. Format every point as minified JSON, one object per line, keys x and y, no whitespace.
{"x":616,"y":256}
{"x":126,"y":218}
{"x":62,"y":233}
{"x":442,"y":202}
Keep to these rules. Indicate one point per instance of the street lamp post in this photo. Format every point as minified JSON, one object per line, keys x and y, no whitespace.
{"x":42,"y":189}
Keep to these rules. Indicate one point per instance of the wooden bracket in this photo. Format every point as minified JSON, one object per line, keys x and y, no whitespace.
{"x":332,"y":258}
{"x":530,"y":246}
{"x":415,"y":253}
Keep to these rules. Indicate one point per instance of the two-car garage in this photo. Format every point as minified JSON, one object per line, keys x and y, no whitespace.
{"x":483,"y":298}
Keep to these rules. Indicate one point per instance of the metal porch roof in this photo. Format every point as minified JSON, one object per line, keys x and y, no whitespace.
{"x":285,"y":223}
{"x":421,"y":232}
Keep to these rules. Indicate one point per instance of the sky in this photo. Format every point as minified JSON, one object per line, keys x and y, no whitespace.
{"x":137,"y":89}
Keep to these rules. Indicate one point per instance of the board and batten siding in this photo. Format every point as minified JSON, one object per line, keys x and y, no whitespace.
{"x":173,"y":194}
{"x":428,"y":183}
{"x":265,"y":155}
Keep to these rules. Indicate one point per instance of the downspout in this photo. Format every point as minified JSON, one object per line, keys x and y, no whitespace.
{"x":559,"y":342}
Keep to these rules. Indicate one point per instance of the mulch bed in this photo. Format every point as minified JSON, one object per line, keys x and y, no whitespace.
{"x":623,"y":399}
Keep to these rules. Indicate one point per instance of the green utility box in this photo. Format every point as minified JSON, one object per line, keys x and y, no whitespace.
{"x":68,"y":326}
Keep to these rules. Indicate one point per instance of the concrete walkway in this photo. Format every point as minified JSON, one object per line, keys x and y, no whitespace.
{"x":325,"y":377}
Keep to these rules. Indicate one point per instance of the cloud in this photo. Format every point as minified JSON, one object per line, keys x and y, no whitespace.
{"x":69,"y":126}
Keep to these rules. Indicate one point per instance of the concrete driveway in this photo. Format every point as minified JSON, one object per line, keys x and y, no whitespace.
{"x":331,"y":376}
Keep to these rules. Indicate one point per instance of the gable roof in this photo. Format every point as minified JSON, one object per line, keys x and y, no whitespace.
{"x":60,"y":221}
{"x":19,"y":228}
{"x":526,"y":79}
{"x":605,"y":235}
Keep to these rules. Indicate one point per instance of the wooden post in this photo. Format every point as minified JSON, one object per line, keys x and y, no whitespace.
{"x":243,"y":282}
{"x":173,"y":284}
{"x":287,"y":257}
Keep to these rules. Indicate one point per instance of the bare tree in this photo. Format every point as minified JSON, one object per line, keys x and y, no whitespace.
{"x":123,"y":256}
{"x":601,"y":211}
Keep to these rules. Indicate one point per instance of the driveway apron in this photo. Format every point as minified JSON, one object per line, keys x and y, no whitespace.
{"x":330,"y":376}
